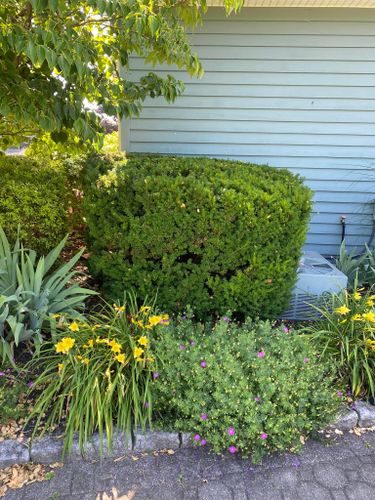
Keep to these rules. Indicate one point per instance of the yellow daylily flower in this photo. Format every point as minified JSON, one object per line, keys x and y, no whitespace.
{"x":154,"y":320}
{"x":138,"y":351}
{"x":357,"y":296}
{"x":120,"y":358}
{"x":370,"y":303}
{"x":98,"y":340}
{"x":369,"y":316}
{"x":342,"y":310}
{"x":118,"y":308}
{"x":145,"y":309}
{"x":65,"y":345}
{"x":143,"y":341}
{"x":357,"y":317}
{"x":60,"y":366}
{"x":74,"y":327}
{"x":115,"y":346}
{"x":86,"y":361}
{"x":165,"y":319}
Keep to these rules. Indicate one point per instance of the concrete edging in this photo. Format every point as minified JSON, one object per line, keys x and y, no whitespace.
{"x":49,"y":449}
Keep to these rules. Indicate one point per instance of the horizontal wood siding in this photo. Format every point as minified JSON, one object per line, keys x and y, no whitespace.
{"x":293,"y":88}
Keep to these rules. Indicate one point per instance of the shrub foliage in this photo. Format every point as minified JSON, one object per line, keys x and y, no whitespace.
{"x":263,"y":390}
{"x":33,"y":195}
{"x":211,"y":233}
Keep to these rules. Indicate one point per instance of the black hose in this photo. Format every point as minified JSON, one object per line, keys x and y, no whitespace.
{"x":343,"y":227}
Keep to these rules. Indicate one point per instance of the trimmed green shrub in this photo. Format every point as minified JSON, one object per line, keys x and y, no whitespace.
{"x":264,"y":390}
{"x":215,"y":234}
{"x":33,"y":196}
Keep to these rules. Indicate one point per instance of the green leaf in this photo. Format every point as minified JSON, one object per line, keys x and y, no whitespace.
{"x":31,"y":52}
{"x":154,"y":24}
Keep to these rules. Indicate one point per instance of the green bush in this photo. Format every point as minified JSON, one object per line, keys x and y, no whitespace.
{"x":34,"y":196}
{"x":250,"y":388}
{"x":211,"y":233}
{"x":13,"y":389}
{"x":345,"y":337}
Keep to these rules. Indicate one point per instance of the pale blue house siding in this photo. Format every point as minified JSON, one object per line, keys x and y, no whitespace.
{"x":293,"y":88}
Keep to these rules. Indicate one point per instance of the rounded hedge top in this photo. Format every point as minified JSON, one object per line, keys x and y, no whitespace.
{"x":214,"y":234}
{"x":33,"y":196}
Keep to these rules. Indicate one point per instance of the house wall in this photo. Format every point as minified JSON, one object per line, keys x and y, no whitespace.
{"x":293,"y":88}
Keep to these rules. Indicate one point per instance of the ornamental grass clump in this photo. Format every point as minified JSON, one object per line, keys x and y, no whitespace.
{"x":247,"y":389}
{"x":95,"y":376}
{"x":345,"y":337}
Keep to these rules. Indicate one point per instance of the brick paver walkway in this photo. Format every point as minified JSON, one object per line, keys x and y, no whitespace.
{"x":341,"y":470}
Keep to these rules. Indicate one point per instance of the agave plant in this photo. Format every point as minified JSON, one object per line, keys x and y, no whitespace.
{"x":352,"y":265}
{"x":359,"y":268}
{"x":32,"y":290}
{"x":370,"y":266}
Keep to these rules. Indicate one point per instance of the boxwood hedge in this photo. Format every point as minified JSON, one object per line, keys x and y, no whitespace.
{"x":215,"y":234}
{"x":34,"y":197}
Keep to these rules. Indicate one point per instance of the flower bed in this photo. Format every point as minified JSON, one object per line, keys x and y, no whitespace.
{"x":246,"y":388}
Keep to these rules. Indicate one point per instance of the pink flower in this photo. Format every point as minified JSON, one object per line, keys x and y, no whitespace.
{"x":306,"y":360}
{"x":2,"y":374}
{"x":339,"y":393}
{"x":182,"y":346}
{"x":257,"y":399}
{"x":192,"y":342}
{"x":264,"y":435}
{"x":231,"y":431}
{"x":204,"y":416}
{"x":285,"y":329}
{"x":226,"y":319}
{"x":30,"y":383}
{"x":203,"y":442}
{"x":261,"y":354}
{"x":232,"y":449}
{"x":197,"y":437}
{"x":155,"y":375}
{"x":203,"y":364}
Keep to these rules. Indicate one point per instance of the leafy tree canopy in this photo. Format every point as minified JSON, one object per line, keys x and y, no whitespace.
{"x":58,"y":55}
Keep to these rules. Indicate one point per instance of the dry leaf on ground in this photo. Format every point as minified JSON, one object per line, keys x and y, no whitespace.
{"x":114,"y":495}
{"x":10,"y":430}
{"x":16,"y":476}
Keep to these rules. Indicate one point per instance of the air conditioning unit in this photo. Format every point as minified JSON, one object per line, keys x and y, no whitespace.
{"x":316,"y":276}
